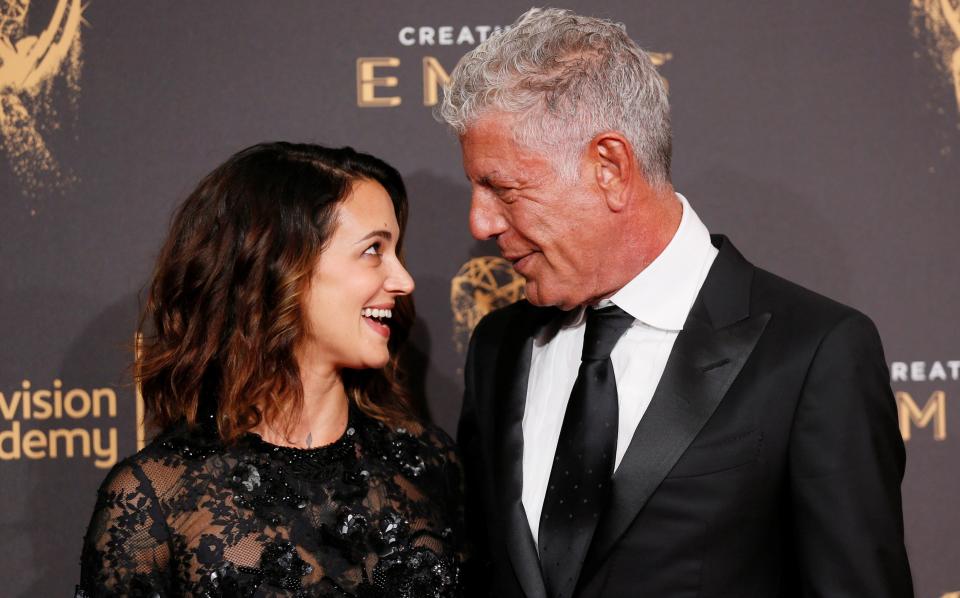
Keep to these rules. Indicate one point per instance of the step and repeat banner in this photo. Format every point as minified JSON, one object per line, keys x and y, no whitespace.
{"x":823,"y":137}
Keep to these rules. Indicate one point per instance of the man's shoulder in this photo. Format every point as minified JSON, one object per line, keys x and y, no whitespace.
{"x":808,"y":309}
{"x":775,"y":289}
{"x":786,"y":300}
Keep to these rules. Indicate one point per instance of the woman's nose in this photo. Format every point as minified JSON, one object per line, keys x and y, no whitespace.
{"x":399,"y":282}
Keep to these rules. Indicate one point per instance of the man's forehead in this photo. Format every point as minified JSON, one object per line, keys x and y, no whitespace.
{"x":492,"y":127}
{"x":490,"y":145}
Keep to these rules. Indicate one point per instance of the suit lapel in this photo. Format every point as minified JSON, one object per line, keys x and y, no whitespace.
{"x":708,"y":354}
{"x":513,"y":367}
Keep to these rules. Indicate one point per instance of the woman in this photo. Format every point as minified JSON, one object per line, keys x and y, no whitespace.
{"x":289,"y":463}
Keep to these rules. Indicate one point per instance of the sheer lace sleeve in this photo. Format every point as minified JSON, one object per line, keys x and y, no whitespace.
{"x":438,"y":496}
{"x":126,"y":551}
{"x":453,"y":485}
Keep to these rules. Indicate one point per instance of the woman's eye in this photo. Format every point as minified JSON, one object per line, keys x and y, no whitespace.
{"x":373,"y":250}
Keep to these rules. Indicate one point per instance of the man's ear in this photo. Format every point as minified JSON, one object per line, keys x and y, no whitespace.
{"x":614,"y":167}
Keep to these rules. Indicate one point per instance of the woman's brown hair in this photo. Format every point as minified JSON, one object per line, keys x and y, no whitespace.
{"x":223,"y":312}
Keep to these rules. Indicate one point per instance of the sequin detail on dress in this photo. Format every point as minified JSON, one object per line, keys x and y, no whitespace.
{"x":376,"y":514}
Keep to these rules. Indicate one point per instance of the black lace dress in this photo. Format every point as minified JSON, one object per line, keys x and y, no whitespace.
{"x":375,"y":514}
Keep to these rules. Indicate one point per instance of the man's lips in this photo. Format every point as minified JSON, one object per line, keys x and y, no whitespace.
{"x":519,"y":260}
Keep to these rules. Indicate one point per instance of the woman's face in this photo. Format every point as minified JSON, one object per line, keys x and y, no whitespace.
{"x":355,"y":284}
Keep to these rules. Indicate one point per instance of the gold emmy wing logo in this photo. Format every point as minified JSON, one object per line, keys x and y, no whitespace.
{"x":29,"y":67}
{"x":482,"y":285}
{"x":941,"y":19}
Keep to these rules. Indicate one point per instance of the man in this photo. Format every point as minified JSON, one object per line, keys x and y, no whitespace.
{"x":660,"y":418}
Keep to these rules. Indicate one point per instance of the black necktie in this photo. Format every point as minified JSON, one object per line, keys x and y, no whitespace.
{"x":583,"y":466}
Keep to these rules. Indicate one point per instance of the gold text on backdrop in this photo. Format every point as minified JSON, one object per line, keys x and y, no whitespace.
{"x":24,"y":409}
{"x":933,"y":411}
{"x":922,"y":371}
{"x":372,"y":76}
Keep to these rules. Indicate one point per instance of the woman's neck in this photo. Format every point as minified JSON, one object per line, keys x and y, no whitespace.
{"x":325,"y":409}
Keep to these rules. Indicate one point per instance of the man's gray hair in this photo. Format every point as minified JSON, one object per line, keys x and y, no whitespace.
{"x":567,"y":77}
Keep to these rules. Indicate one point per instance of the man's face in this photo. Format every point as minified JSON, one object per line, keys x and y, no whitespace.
{"x":551,"y":230}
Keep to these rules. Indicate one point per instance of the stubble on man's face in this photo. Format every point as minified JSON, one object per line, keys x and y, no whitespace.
{"x":548,"y":228}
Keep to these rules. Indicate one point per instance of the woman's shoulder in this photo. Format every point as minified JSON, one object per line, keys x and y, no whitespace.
{"x":437,"y":437}
{"x":161,"y":463}
{"x":414,"y":445}
{"x":417,"y":429}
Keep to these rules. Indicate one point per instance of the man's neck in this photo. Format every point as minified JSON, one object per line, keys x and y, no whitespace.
{"x":649,"y":230}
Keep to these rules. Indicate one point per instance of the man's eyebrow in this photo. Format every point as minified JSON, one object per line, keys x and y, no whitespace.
{"x":385,"y":234}
{"x":487,"y":180}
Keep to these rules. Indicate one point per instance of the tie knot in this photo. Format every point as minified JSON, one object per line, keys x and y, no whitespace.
{"x":604,"y":328}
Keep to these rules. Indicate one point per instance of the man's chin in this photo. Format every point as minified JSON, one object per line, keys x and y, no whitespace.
{"x":541,"y":297}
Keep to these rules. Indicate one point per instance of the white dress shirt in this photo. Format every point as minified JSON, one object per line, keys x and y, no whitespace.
{"x":659,"y":297}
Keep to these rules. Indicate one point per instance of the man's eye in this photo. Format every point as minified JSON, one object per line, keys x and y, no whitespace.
{"x":373,"y":250}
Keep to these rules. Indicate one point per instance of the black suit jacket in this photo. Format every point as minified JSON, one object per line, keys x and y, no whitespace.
{"x":767,"y":465}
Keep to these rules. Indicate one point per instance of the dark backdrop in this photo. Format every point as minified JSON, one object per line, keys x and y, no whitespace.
{"x":821,"y":136}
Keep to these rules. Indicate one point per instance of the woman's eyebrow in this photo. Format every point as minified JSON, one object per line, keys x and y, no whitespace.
{"x":385,"y":234}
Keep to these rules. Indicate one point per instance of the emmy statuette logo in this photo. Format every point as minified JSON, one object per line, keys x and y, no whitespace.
{"x":29,"y":68}
{"x":482,"y":285}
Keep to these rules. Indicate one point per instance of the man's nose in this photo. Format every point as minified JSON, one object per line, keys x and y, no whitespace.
{"x":486,"y":218}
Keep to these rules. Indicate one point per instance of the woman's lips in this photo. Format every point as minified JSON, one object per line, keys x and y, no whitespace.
{"x":381,"y":329}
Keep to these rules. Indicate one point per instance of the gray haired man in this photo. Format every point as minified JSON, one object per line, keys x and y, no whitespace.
{"x":659,"y":417}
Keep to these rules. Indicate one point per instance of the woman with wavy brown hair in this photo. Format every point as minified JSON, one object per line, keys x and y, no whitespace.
{"x":289,"y":461}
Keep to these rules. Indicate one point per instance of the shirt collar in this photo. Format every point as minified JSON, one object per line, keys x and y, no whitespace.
{"x":662,"y":294}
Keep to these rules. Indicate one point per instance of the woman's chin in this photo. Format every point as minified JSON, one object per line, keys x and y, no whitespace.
{"x":372,"y":361}
{"x":379,"y":364}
